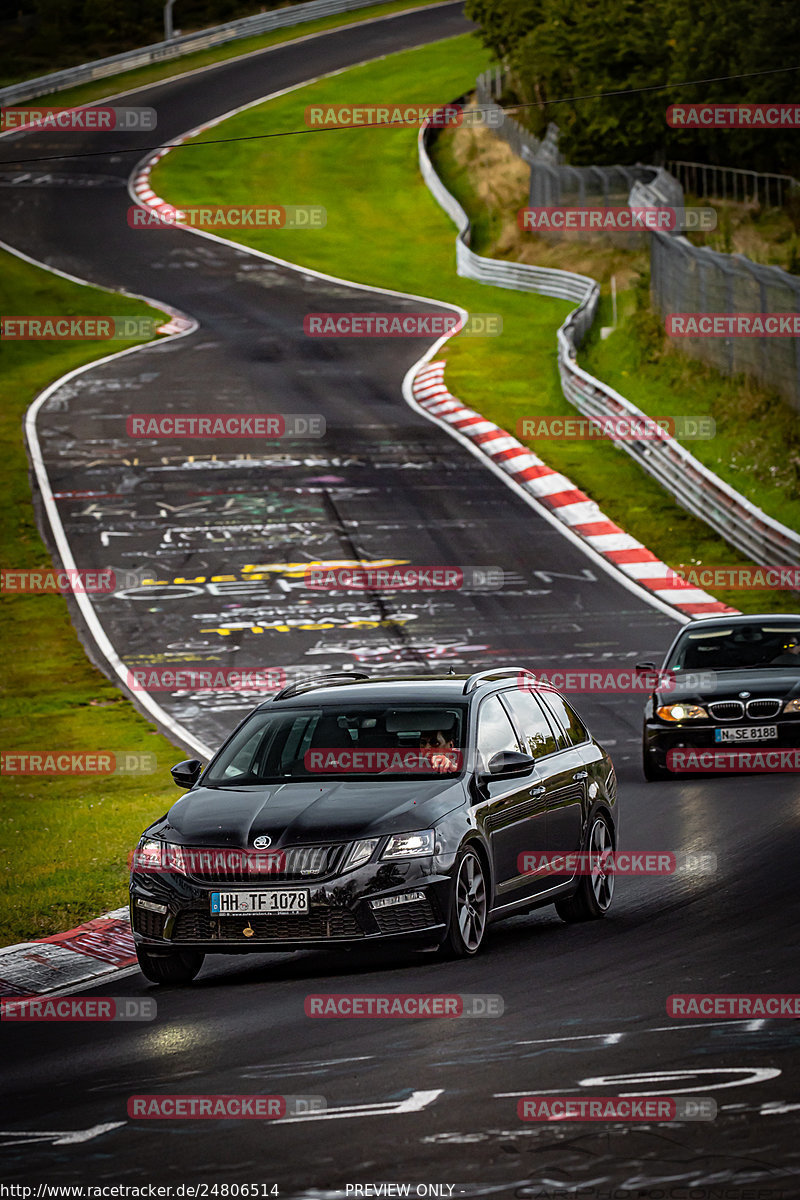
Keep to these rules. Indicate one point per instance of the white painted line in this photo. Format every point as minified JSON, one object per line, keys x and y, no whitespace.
{"x":608,"y":1039}
{"x":413,"y":1103}
{"x":88,"y":613}
{"x":59,"y":1137}
{"x":749,"y":1075}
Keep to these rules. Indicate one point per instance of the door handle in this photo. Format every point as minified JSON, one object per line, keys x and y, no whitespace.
{"x":581,"y":775}
{"x":537,"y":791}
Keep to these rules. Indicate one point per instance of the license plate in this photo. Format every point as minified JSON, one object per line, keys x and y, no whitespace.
{"x":284,"y":902}
{"x":747,"y":733}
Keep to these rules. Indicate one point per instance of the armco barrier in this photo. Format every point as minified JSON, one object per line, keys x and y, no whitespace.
{"x":203,"y":39}
{"x":696,"y":489}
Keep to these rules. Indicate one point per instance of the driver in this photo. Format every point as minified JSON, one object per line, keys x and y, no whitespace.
{"x":438,"y":748}
{"x":789,"y":656}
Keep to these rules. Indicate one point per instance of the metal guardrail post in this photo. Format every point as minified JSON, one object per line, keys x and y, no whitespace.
{"x":169,"y":32}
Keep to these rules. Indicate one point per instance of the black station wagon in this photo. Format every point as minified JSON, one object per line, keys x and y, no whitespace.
{"x":343,"y":812}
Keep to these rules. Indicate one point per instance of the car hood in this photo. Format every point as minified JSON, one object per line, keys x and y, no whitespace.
{"x":295,"y":813}
{"x":783,"y":682}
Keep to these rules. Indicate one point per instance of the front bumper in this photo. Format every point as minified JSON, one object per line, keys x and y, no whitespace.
{"x":339,"y":914}
{"x":660,"y":737}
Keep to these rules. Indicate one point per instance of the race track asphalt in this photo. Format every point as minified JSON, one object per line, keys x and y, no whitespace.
{"x":581,"y":1004}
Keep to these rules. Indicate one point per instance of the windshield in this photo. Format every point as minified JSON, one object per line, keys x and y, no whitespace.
{"x":734,"y":648}
{"x":275,"y":746}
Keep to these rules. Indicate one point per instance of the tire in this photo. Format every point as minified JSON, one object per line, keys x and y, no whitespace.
{"x":176,"y":967}
{"x":469,"y":910}
{"x":652,"y":771}
{"x":595,"y":892}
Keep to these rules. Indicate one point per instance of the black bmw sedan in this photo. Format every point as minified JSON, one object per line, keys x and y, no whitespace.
{"x":729,"y":682}
{"x":343,"y":812}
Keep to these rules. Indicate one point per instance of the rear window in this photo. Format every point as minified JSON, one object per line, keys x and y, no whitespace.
{"x":280,"y":746}
{"x":565,"y":716}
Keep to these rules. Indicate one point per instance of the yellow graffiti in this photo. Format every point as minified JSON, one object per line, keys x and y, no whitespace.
{"x":287,"y":627}
{"x":253,"y":571}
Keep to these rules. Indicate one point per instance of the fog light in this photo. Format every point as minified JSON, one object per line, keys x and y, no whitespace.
{"x":151,"y":906}
{"x":405,"y":898}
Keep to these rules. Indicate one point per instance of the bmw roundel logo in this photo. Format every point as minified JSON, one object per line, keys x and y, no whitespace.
{"x":744,"y":695}
{"x":261,"y":843}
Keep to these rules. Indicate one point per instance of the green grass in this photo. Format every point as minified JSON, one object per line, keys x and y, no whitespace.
{"x":756,"y":448}
{"x":389,"y":231}
{"x":64,"y":840}
{"x":141,"y":76}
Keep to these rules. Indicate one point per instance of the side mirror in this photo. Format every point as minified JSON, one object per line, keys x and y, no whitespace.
{"x":186,"y":774}
{"x":508,"y":764}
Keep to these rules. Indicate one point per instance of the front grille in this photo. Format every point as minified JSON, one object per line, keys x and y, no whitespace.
{"x":213,"y":865}
{"x":320,"y":923}
{"x":148,"y":924}
{"x":726,"y":710}
{"x":763,"y":708}
{"x":404,"y":918}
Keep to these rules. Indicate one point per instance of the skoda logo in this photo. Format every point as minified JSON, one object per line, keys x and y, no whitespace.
{"x":261,"y":843}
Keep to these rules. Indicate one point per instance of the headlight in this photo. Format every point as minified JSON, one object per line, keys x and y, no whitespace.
{"x":410,"y":845}
{"x":148,"y":855}
{"x":360,"y":852}
{"x":154,"y":855}
{"x":682,"y":712}
{"x":792,"y":706}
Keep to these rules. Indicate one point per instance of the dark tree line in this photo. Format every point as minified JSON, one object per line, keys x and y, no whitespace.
{"x":557,"y":51}
{"x":37,"y":36}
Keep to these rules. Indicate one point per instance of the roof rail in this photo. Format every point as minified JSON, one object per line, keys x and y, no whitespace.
{"x":475,"y":679}
{"x":319,"y":681}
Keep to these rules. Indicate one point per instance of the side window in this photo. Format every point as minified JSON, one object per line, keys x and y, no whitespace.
{"x":245,"y":761}
{"x":537,"y":735}
{"x":567,"y":717}
{"x":495,"y":731}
